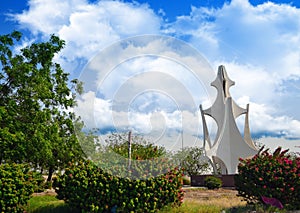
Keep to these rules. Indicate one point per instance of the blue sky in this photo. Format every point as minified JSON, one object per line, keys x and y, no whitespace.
{"x":257,"y":41}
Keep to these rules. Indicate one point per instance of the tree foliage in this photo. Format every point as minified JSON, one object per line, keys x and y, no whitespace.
{"x":192,"y":160}
{"x":36,"y":123}
{"x":147,"y":159}
{"x":141,"y":149}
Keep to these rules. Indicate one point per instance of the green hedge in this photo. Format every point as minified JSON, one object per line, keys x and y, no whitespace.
{"x":271,"y":175}
{"x":17,"y":183}
{"x":88,"y":188}
{"x":212,"y":182}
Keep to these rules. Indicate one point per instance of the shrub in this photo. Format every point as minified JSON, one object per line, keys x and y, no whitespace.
{"x":268,"y":175}
{"x":40,"y":184}
{"x":192,"y":160}
{"x":186,"y":180}
{"x":212,"y":182}
{"x":87,"y":187}
{"x":17,"y":184}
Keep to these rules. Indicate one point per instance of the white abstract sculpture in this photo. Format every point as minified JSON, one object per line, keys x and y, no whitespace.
{"x":228,"y":145}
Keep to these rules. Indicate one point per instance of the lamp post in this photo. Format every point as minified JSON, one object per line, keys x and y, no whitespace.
{"x":129,"y":150}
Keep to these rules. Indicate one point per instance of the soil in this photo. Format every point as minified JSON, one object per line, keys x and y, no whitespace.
{"x":204,"y":194}
{"x":47,"y":192}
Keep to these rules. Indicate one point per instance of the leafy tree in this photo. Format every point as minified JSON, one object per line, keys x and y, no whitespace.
{"x":88,"y":139}
{"x":141,"y":149}
{"x":192,"y":160}
{"x":147,"y":159}
{"x":36,"y":123}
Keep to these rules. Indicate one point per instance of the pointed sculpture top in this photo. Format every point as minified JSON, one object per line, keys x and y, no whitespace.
{"x":223,"y":82}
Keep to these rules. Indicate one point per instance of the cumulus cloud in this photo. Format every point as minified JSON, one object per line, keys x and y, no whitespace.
{"x":159,"y":126}
{"x":264,"y":121}
{"x":266,"y":35}
{"x":259,"y":45}
{"x":87,"y":28}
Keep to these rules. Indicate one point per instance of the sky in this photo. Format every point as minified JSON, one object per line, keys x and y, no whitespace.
{"x":148,"y":65}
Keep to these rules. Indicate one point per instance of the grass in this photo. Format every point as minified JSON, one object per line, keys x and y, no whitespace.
{"x":207,"y":205}
{"x":47,"y":204}
{"x":192,"y":207}
{"x":50,"y":204}
{"x":226,"y":204}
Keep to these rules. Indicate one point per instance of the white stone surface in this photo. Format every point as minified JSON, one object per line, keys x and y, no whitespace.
{"x":229,"y":145}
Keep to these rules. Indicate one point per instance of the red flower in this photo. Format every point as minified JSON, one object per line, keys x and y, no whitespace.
{"x":260,"y":179}
{"x":292,"y":189}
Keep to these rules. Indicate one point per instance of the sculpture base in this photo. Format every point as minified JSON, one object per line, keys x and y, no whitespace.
{"x":227,"y":180}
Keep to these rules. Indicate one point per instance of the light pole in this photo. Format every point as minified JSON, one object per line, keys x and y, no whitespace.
{"x":129,"y":150}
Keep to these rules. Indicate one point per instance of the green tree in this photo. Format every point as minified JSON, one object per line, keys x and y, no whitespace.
{"x":88,"y":139}
{"x":192,"y":160}
{"x":147,"y":159}
{"x":141,"y":149}
{"x":36,"y":123}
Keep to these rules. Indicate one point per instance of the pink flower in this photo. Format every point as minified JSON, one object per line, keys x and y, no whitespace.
{"x":272,"y":201}
{"x":265,"y":186}
{"x":292,"y":189}
{"x":260,"y":179}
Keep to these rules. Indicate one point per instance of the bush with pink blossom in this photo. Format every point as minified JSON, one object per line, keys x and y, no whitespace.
{"x":270,"y":175}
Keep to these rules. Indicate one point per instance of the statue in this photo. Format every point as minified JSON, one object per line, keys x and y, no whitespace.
{"x":229,"y":145}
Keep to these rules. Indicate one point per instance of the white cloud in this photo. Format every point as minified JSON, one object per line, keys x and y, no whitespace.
{"x":94,"y":110}
{"x":159,"y":126}
{"x":266,"y":35}
{"x":259,"y":45}
{"x":263,"y":119}
{"x":48,"y":17}
{"x":260,"y":48}
{"x":87,"y":28}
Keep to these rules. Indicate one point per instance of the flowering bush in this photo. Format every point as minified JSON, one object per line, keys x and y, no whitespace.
{"x":268,"y":175}
{"x":88,"y":188}
{"x":17,"y":184}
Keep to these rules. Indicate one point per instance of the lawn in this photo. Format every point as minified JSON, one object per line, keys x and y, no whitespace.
{"x":196,"y":200}
{"x":47,"y":204}
{"x":192,"y":203}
